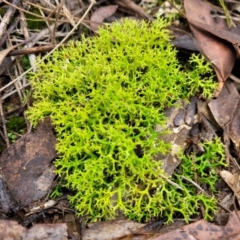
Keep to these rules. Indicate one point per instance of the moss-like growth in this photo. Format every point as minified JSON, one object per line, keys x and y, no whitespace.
{"x":203,"y":169}
{"x":105,"y":96}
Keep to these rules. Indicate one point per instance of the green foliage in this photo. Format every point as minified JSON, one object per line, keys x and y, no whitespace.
{"x":12,"y":137}
{"x":34,"y":22}
{"x":15,"y":123}
{"x":105,"y":96}
{"x":25,"y":62}
{"x":15,"y":126}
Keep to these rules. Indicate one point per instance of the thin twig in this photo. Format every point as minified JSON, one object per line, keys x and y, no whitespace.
{"x":23,"y":24}
{"x":234,"y":78}
{"x":172,"y":183}
{"x":55,"y":24}
{"x":27,"y":51}
{"x":9,"y":31}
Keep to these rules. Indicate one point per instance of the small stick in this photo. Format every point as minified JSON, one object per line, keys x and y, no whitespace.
{"x":7,"y":17}
{"x":234,"y":78}
{"x":9,"y":31}
{"x":26,"y":51}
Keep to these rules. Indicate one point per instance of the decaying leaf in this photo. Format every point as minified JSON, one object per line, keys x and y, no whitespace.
{"x":110,"y":229}
{"x":7,"y":202}
{"x":234,"y":129}
{"x":220,"y":107}
{"x":100,"y":14}
{"x":205,"y":230}
{"x":130,"y":7}
{"x":12,"y":230}
{"x":127,"y":230}
{"x":226,"y":111}
{"x":26,"y":165}
{"x":225,"y":34}
{"x":233,"y":181}
{"x":69,"y":219}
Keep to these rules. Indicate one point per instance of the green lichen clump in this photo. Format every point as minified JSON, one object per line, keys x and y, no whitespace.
{"x":203,"y":170}
{"x":105,"y":96}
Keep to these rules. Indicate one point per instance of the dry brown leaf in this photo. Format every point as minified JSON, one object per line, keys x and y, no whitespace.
{"x":7,"y":202}
{"x":108,"y":230}
{"x":223,"y":108}
{"x":233,"y":182}
{"x":232,"y":35}
{"x":126,"y":230}
{"x":70,"y":220}
{"x":12,"y":230}
{"x":202,"y":230}
{"x":234,"y":128}
{"x":225,"y":34}
{"x":26,"y":165}
{"x":221,"y":55}
{"x":100,"y":14}
{"x":226,"y":111}
{"x":130,"y":7}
